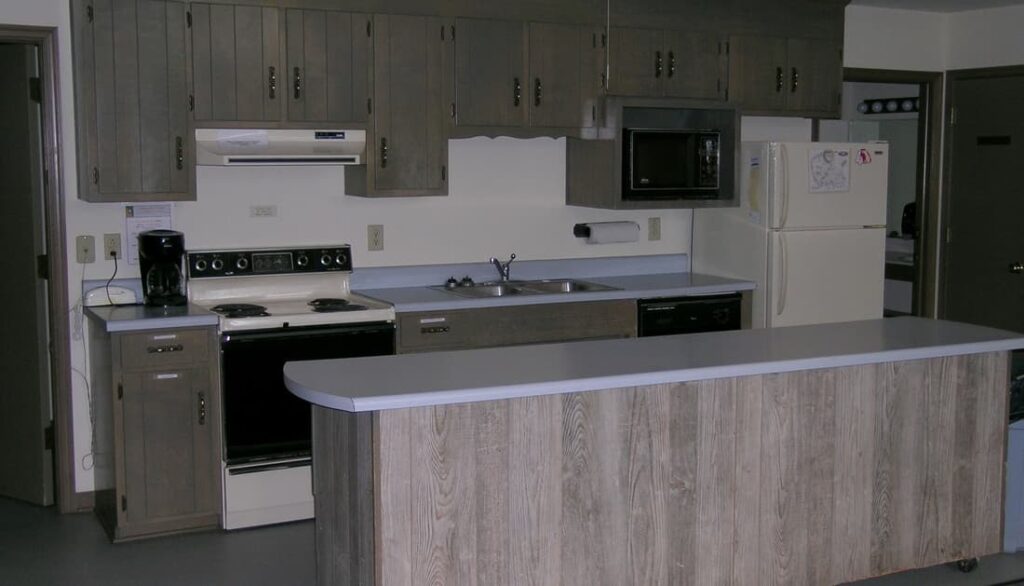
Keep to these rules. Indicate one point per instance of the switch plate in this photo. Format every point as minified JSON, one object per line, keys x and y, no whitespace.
{"x":112,"y":245}
{"x":654,"y":228}
{"x":268,"y":211}
{"x":375,"y":237}
{"x":85,"y":248}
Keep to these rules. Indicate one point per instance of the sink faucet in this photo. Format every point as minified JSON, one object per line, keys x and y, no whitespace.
{"x":503,"y":268}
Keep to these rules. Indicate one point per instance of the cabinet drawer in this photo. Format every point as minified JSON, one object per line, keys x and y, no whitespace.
{"x":163,"y":349}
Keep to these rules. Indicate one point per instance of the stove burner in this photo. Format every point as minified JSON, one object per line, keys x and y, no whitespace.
{"x":328,"y":305}
{"x":233,"y":310}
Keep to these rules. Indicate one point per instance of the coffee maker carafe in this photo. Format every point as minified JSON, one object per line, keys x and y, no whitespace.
{"x":160,"y":260}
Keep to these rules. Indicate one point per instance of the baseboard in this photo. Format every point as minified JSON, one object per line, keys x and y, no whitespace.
{"x":83,"y":502}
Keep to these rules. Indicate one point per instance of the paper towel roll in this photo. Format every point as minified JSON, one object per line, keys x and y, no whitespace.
{"x":608,"y":232}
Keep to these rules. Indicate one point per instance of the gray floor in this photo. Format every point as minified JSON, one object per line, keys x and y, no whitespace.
{"x":40,"y":547}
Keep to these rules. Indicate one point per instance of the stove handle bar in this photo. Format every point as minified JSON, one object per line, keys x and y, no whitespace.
{"x":306,"y":332}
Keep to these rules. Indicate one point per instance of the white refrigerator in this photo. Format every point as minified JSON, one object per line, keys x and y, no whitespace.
{"x":809,"y":230}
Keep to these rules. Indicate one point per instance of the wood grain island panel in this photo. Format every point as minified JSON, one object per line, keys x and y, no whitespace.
{"x":808,"y":477}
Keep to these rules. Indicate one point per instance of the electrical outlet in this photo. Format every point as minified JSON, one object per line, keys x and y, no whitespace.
{"x":112,"y":245}
{"x":654,"y":228}
{"x":375,"y":237}
{"x":85,"y":248}
{"x":269,"y":211}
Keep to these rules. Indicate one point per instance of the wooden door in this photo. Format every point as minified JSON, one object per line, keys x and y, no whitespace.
{"x":132,"y":101}
{"x":409,"y":143}
{"x":695,"y":65}
{"x":236,"y":63}
{"x":556,"y":75}
{"x":757,"y":72}
{"x":490,"y":73}
{"x":814,"y":76}
{"x":169,"y":448}
{"x":984,"y":238}
{"x":636,"y":62}
{"x":327,"y":58}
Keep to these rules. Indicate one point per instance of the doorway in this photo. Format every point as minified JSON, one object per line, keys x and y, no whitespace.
{"x":903,"y":108}
{"x":35,"y":401}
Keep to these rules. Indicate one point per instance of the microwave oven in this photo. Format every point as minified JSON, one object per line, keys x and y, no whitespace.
{"x":675,"y":163}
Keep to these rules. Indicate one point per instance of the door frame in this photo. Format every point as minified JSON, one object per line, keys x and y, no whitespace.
{"x":45,"y":39}
{"x":930,"y":177}
{"x":953,"y":76}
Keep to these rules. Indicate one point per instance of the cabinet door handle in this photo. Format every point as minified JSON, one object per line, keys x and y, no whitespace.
{"x":671,"y":63}
{"x":383,"y":152}
{"x":272,"y":82}
{"x":297,"y":83}
{"x":517,"y":92}
{"x":179,"y":153}
{"x":795,"y":80}
{"x":202,"y":408}
{"x":778,"y":79}
{"x":657,"y":64}
{"x":537,"y":92}
{"x":165,"y":349}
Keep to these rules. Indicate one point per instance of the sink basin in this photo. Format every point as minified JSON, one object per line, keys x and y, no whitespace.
{"x":565,"y":286}
{"x":546,"y":286}
{"x":485,"y":290}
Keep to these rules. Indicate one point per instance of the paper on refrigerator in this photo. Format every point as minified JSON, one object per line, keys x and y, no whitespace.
{"x":829,"y":170}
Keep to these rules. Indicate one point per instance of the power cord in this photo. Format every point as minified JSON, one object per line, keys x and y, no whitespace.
{"x":113,"y":255}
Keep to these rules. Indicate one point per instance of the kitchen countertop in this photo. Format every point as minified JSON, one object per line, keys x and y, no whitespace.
{"x":440,"y":378}
{"x":130,"y":318}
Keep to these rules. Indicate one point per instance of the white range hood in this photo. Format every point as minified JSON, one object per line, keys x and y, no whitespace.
{"x":247,"y":147}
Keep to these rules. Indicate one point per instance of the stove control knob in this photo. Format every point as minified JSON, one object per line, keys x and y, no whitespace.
{"x":341,"y":259}
{"x":302,"y":260}
{"x":242,"y":263}
{"x":201,"y":265}
{"x":326,"y":260}
{"x":217,"y":264}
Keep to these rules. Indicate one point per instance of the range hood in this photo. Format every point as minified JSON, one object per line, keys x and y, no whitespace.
{"x":247,"y":147}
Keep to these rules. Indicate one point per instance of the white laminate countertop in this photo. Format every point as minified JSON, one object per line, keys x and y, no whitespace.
{"x":131,"y":318}
{"x":439,"y":378}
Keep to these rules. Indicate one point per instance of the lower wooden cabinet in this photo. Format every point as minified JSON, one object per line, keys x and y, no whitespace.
{"x":163,"y":404}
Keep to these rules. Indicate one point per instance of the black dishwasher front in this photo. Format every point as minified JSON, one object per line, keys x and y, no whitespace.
{"x":665,"y":316}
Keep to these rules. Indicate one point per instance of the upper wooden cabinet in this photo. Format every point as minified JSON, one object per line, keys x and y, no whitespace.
{"x":132,"y":101}
{"x":779,"y":75}
{"x":490,"y":73}
{"x":565,"y":75}
{"x":666,"y":63}
{"x":407,"y":138}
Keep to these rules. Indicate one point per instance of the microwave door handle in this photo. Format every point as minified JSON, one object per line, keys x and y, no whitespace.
{"x":784,"y":164}
{"x":780,"y":305}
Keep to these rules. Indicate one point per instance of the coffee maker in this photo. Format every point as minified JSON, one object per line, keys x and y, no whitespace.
{"x":161,"y":253}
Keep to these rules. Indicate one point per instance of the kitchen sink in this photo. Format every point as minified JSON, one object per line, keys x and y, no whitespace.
{"x":541,"y":287}
{"x":565,"y":286}
{"x":485,"y":290}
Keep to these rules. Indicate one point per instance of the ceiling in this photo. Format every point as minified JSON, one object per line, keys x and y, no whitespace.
{"x":938,"y":5}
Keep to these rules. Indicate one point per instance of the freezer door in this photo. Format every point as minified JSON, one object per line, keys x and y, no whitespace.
{"x":828,"y":185}
{"x":822,"y":276}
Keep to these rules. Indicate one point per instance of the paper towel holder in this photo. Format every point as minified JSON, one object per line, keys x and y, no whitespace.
{"x":581,"y":231}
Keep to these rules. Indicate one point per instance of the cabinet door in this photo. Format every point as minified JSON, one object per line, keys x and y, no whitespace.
{"x":169,"y":467}
{"x":636,"y":62}
{"x":757,"y":72}
{"x":327,"y":57}
{"x":694,"y":65}
{"x":409,"y":139}
{"x":132,"y":101}
{"x":236,"y":63}
{"x":815,"y":76}
{"x":556,"y":75}
{"x":490,"y":73}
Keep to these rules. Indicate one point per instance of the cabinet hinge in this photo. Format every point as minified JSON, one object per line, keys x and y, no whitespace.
{"x":89,"y":13}
{"x":369,"y":28}
{"x":444,"y":173}
{"x":188,"y":19}
{"x":604,"y":81}
{"x":191,"y":103}
{"x":453,"y":110}
{"x":604,"y":40}
{"x":453,"y":32}
{"x":49,"y":439}
{"x":593,"y":114}
{"x":369,"y":105}
{"x":726,"y":94}
{"x":727,"y":47}
{"x":96,"y":175}
{"x":442,"y":32}
{"x":124,"y":503}
{"x":120,"y":390}
{"x":35,"y":89}
{"x":42,"y":266}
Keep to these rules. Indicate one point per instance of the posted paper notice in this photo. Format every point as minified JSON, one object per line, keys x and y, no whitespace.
{"x":139,"y":218}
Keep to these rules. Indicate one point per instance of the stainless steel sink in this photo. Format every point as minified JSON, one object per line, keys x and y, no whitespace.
{"x":546,"y":286}
{"x":565,"y":286}
{"x":485,"y":290}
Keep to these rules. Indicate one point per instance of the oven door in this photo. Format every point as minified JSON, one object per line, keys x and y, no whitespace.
{"x":263,"y":421}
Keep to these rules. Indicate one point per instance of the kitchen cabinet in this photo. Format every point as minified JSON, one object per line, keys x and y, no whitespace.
{"x":162,"y":397}
{"x":565,"y":72}
{"x":132,"y":101}
{"x":407,"y":140}
{"x":490,"y":73}
{"x":236,"y":63}
{"x":785,"y":75}
{"x":665,"y":63}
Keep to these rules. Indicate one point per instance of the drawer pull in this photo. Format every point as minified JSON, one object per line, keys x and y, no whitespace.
{"x":164,"y":349}
{"x":202,"y":408}
{"x":435,"y":330}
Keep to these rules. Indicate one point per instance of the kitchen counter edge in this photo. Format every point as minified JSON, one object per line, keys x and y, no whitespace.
{"x":133,"y":318}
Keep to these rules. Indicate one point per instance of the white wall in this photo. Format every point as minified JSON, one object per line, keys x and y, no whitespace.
{"x":883,"y":38}
{"x":985,"y":38}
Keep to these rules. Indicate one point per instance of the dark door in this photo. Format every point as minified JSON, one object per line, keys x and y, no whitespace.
{"x":983,"y":276}
{"x":26,"y":466}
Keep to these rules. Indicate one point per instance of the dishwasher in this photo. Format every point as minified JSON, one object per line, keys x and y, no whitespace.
{"x":664,"y":316}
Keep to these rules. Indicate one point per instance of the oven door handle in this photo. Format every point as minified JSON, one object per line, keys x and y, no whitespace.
{"x":304,"y":332}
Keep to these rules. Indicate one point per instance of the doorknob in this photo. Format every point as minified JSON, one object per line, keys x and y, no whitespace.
{"x":1017,"y":267}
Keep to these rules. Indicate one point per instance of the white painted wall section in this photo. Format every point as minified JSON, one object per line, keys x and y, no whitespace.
{"x":884,"y":38}
{"x":986,"y":38}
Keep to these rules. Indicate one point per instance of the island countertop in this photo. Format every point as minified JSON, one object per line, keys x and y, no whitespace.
{"x":441,"y":378}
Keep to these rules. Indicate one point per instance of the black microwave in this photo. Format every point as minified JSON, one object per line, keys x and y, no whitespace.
{"x":674,"y":164}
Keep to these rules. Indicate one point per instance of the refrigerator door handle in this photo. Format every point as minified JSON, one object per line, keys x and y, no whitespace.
{"x":784,"y":169}
{"x":780,"y":305}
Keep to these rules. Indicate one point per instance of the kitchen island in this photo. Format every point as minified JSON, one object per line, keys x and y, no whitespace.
{"x":805,"y":455}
